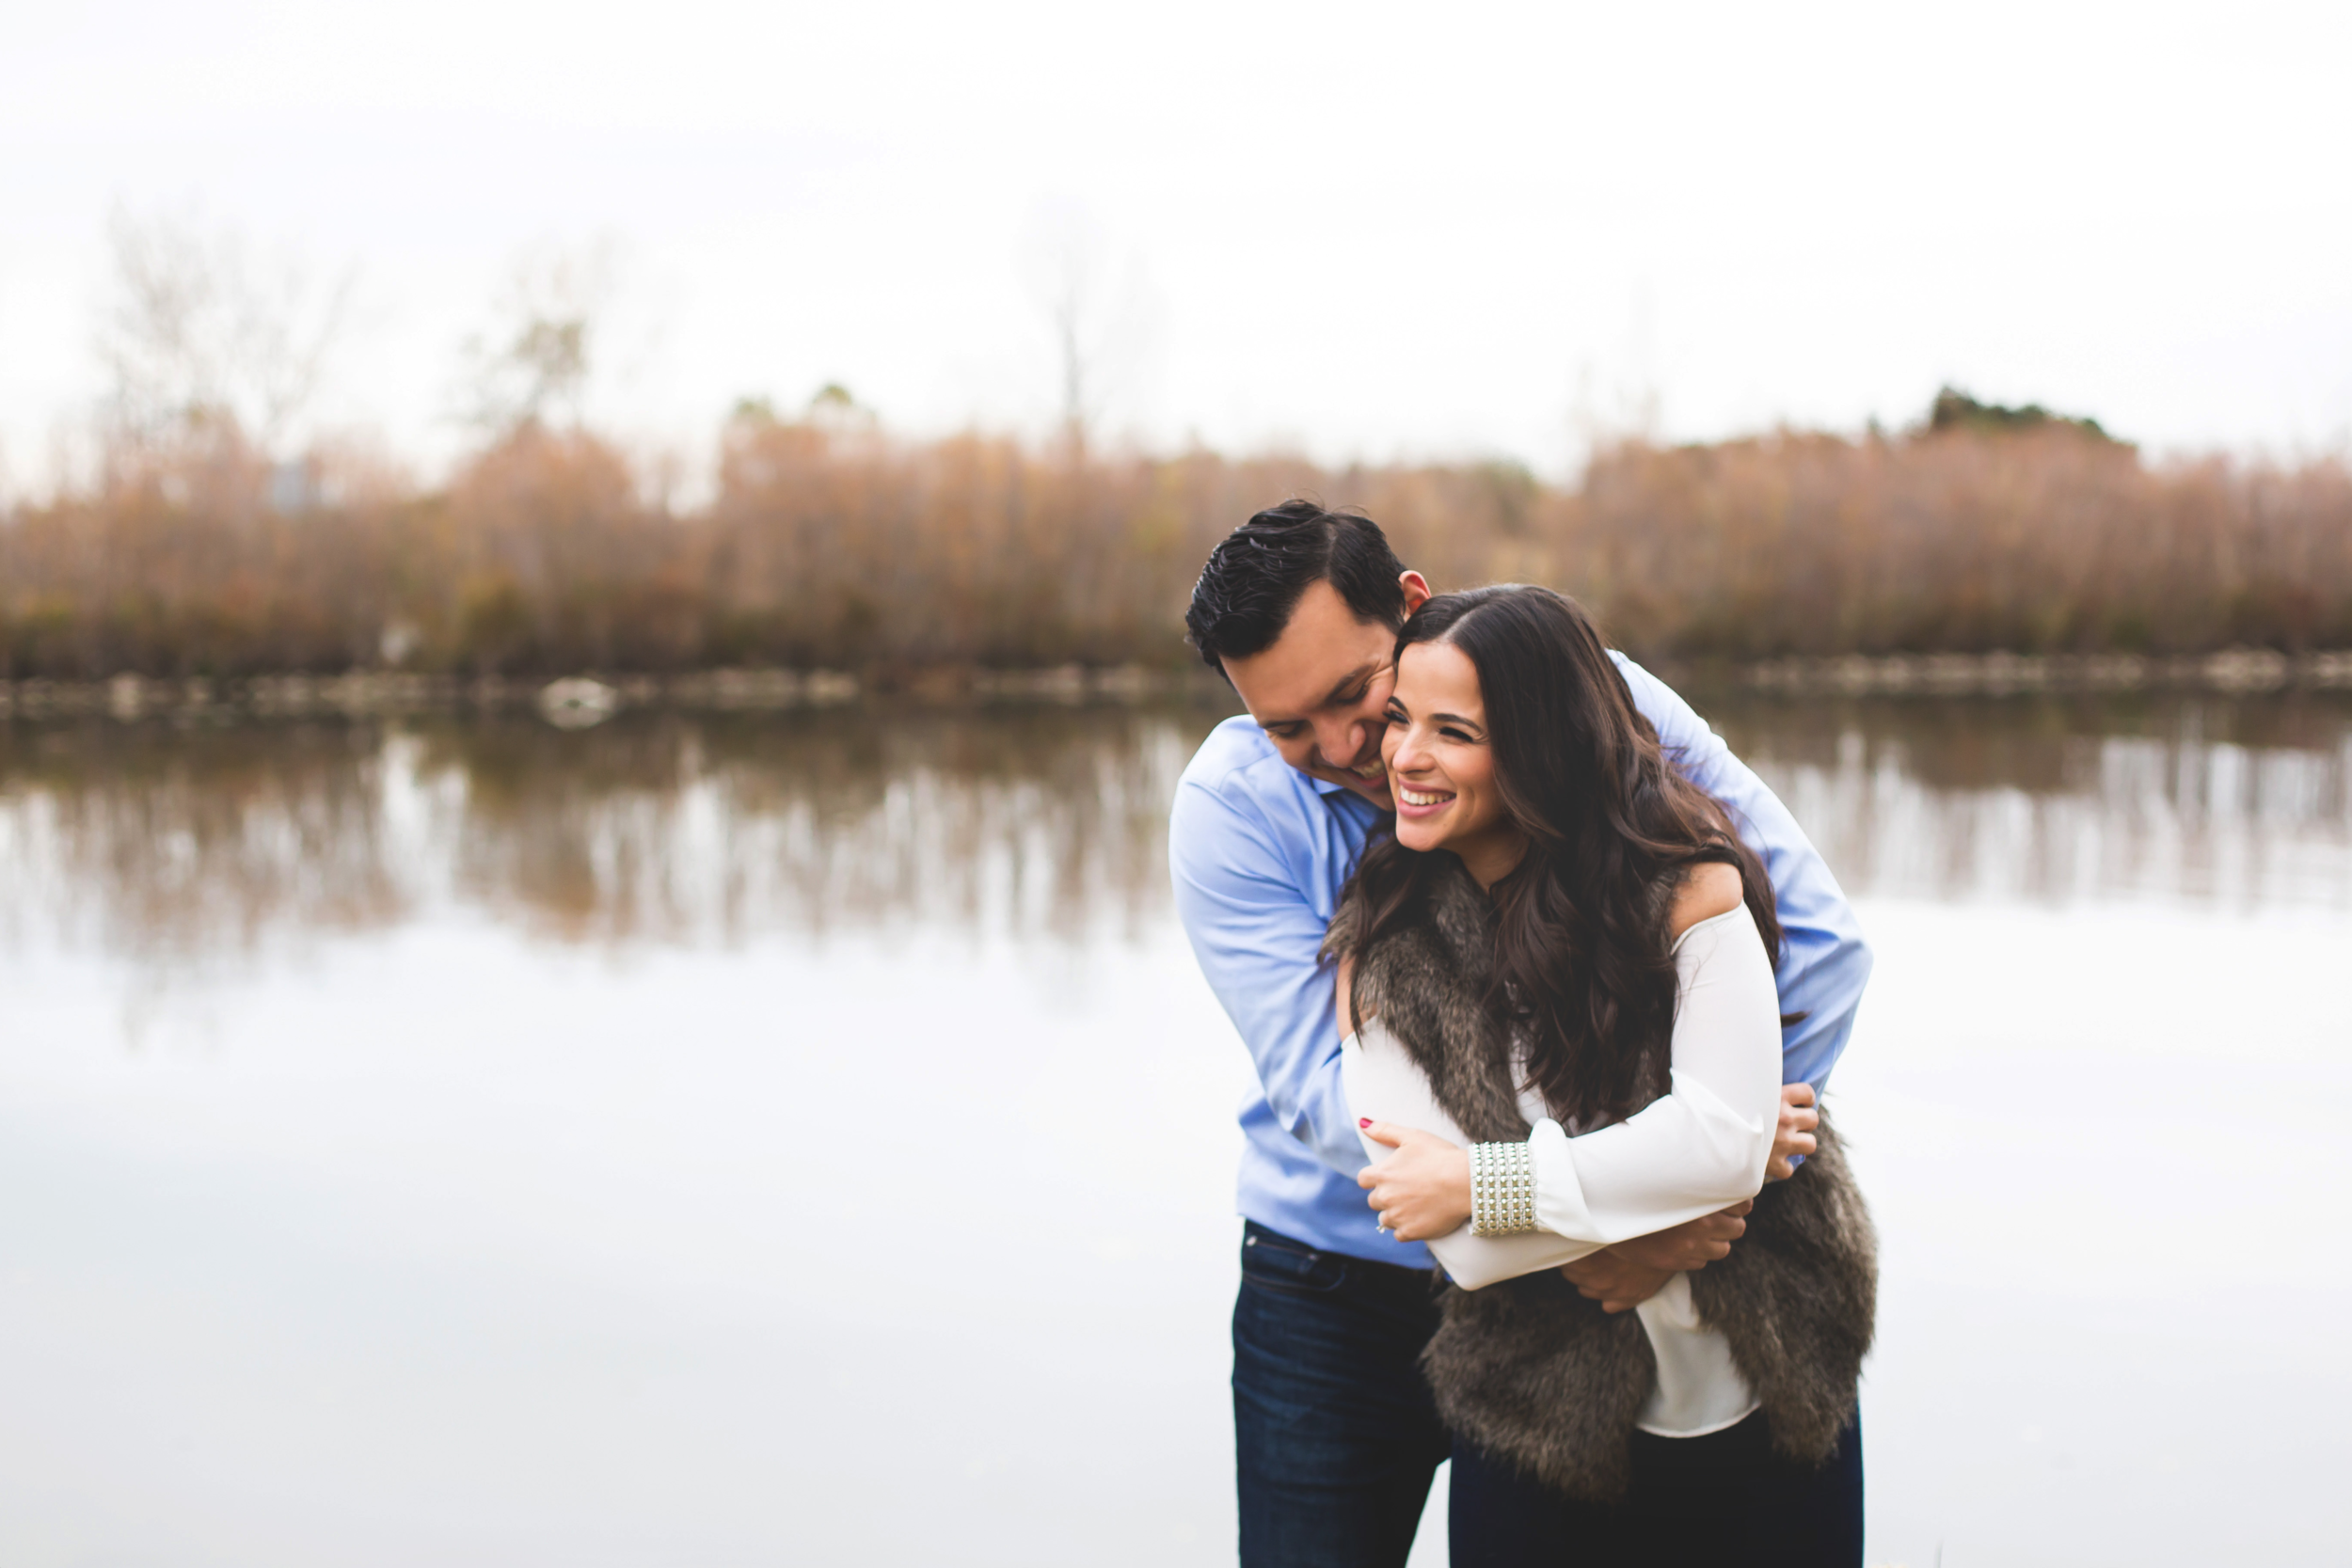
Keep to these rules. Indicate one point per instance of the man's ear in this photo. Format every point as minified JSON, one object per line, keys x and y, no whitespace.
{"x":1416,"y":589}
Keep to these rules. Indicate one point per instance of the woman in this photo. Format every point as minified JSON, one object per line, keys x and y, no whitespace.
{"x":1569,"y":953}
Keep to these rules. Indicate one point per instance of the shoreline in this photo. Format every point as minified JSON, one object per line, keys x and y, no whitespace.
{"x":576,"y":702}
{"x":583,"y":700}
{"x":2228,"y":670}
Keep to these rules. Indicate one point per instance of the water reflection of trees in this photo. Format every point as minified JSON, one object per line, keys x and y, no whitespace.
{"x":1016,"y":822}
{"x":166,"y":843}
{"x":170,"y":843}
{"x":2242,"y":801}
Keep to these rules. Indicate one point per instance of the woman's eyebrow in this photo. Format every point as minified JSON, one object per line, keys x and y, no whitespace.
{"x":1458,"y":718}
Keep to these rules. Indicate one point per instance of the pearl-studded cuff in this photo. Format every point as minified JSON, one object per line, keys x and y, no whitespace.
{"x":1502,"y":1189}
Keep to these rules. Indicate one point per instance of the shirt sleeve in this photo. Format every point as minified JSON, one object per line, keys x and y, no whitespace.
{"x":1826,"y":962}
{"x":1257,"y":937}
{"x":1702,"y":1145}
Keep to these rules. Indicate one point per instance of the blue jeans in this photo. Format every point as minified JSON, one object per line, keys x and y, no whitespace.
{"x":1334,"y":1433}
{"x":1725,"y":1497}
{"x":1337,"y":1438}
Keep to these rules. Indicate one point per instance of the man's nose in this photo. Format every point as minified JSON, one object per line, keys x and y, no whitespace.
{"x":1340,"y":740}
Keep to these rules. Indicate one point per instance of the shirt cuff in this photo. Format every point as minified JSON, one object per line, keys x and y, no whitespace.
{"x":1560,"y":1206}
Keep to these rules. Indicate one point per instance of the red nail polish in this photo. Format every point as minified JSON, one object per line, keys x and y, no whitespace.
{"x":1364,"y":1121}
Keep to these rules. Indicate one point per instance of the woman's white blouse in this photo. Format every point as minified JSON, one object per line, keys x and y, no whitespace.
{"x":1693,"y":1151}
{"x":1698,"y":1149}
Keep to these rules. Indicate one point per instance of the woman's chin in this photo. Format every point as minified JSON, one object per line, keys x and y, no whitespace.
{"x":1424,"y":836}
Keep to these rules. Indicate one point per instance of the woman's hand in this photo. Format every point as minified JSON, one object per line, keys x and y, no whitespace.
{"x":1424,"y":1189}
{"x":1798,"y":1120}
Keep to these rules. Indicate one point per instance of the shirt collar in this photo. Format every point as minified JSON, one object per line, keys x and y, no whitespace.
{"x":1347,"y":803}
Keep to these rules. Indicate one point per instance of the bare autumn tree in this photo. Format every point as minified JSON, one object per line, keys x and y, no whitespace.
{"x":532,"y":363}
{"x":202,"y":335}
{"x":1093,"y":312}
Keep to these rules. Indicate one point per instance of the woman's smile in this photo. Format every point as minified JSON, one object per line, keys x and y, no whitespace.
{"x":1420,"y":802}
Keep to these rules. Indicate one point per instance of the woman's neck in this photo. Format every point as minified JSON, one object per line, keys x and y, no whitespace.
{"x":1492,"y":856}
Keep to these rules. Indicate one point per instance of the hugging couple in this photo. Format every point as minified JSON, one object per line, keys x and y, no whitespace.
{"x":1524,"y":957}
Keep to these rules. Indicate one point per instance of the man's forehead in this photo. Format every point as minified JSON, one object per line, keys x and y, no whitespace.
{"x":1276,"y":696}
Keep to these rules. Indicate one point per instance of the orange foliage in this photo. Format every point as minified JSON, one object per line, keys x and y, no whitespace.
{"x":841,"y":547}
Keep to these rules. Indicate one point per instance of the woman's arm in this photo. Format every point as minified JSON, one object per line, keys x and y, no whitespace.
{"x":1696,"y":1151}
{"x":1704,"y":1144}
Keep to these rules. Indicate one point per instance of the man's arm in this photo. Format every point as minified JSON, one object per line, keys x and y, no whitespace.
{"x":1257,"y":937}
{"x":1827,"y":961}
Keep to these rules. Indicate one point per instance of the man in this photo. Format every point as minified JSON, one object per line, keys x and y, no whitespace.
{"x":1334,"y":1433}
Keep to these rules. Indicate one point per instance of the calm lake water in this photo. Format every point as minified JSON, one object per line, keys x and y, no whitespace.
{"x":803,"y":1138}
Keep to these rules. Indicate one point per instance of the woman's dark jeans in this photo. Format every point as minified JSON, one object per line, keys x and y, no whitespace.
{"x":1333,"y":1429}
{"x":1725,"y":1497}
{"x":1336,"y":1440}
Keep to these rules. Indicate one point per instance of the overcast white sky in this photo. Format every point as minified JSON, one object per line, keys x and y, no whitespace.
{"x":1367,"y":231}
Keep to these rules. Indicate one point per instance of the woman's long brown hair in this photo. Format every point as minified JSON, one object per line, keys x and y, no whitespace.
{"x":1583,"y":965}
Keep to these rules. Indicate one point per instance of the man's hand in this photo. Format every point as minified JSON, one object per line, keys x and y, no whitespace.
{"x":1615,"y":1281}
{"x":1691,"y":1244}
{"x":1424,"y":1189}
{"x":1798,"y":1120}
{"x":1622,"y":1276}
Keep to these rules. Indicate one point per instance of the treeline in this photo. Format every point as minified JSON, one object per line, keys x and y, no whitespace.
{"x":827,"y":543}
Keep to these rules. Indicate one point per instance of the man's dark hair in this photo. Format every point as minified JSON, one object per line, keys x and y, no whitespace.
{"x":1255,"y":576}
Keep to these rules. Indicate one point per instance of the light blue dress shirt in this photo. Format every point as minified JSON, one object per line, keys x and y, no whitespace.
{"x":1259,"y":852}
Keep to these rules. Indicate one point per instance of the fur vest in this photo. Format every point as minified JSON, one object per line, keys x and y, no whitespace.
{"x":1533,"y":1373}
